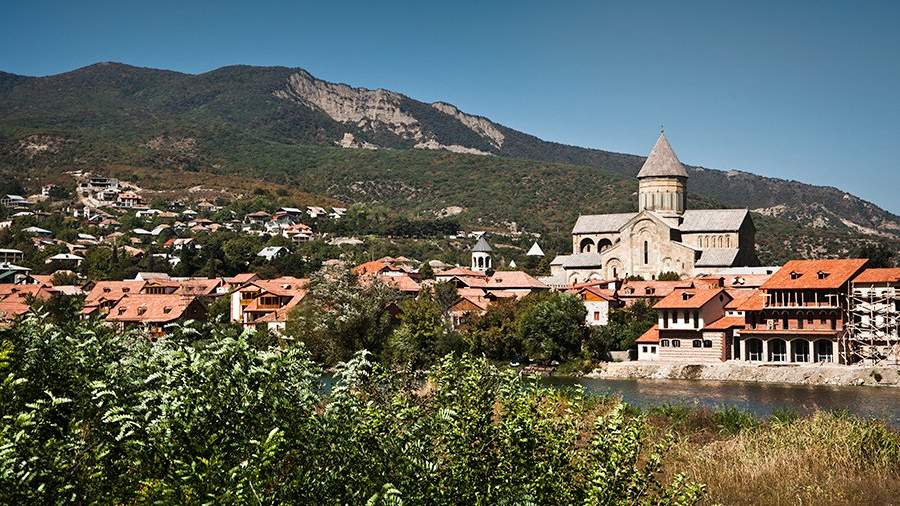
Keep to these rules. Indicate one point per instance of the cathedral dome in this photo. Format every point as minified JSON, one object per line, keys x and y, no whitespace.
{"x":662,"y":161}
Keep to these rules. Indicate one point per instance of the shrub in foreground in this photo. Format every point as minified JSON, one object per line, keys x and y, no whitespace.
{"x":90,"y":415}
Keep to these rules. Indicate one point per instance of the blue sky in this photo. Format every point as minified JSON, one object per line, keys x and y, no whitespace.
{"x":798,"y":90}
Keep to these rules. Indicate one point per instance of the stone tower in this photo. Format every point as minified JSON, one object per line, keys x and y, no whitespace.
{"x":662,"y":182}
{"x":481,"y":256}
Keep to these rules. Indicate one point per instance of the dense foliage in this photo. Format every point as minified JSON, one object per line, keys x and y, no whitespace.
{"x":91,"y":415}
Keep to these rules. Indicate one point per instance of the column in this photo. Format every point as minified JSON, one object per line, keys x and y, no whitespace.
{"x":790,"y":350}
{"x":812,"y":351}
{"x":765,"y":350}
{"x":744,"y":350}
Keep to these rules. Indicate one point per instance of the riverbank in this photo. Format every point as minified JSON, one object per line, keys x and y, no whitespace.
{"x":819,"y":374}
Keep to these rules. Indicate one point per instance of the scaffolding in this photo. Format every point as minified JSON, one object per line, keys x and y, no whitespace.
{"x":873,"y":319}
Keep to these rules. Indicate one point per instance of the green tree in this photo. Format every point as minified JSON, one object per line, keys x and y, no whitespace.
{"x":339,"y":316}
{"x":553,"y":328}
{"x":423,"y":335}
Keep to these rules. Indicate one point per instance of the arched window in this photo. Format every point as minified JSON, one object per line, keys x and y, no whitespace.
{"x":646,"y":252}
{"x":480,"y":261}
{"x":586,"y":245}
{"x":727,"y":241}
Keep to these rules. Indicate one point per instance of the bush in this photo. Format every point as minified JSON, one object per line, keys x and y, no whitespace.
{"x":94,"y":416}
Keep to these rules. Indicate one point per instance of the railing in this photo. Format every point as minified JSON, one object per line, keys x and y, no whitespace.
{"x":754,"y":356}
{"x":779,"y":357}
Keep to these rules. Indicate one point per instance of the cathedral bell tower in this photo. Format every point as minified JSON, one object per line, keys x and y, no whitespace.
{"x":481,"y":256}
{"x":662,"y":183}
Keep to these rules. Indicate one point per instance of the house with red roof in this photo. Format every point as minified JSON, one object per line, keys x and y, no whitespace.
{"x":106,"y":294}
{"x":155,"y":312}
{"x":799,"y":314}
{"x":691,"y":327}
{"x":267,"y":301}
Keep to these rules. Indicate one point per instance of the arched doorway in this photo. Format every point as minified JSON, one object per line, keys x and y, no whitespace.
{"x":754,"y":350}
{"x":823,"y":351}
{"x":586,"y":245}
{"x":800,"y":350}
{"x":777,"y":350}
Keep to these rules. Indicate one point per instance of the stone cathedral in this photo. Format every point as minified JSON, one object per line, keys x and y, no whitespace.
{"x":663,"y":236}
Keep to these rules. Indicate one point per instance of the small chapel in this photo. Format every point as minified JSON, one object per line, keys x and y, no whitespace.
{"x":663,"y":236}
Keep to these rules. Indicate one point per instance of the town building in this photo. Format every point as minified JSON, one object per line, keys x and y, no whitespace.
{"x":874,"y":325}
{"x":663,"y":236}
{"x":155,"y":312}
{"x":267,"y":302}
{"x":11,"y":255}
{"x":800,"y":314}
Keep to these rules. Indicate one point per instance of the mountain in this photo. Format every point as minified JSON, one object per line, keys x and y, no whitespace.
{"x":285,"y":125}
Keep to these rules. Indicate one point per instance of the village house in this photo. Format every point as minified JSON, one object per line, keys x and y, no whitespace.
{"x":13,"y":274}
{"x":15,"y":300}
{"x":8,"y":255}
{"x":65,"y":261}
{"x":128,"y":200}
{"x":270,"y":253}
{"x":104,"y":295}
{"x":598,"y":299}
{"x":155,"y":312}
{"x":650,"y":292}
{"x":267,"y":302}
{"x":687,"y":327}
{"x":14,"y":202}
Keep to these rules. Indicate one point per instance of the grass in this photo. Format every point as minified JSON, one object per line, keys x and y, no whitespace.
{"x":829,"y":458}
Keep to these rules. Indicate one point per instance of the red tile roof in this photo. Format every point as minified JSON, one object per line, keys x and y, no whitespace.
{"x":725,"y":323}
{"x":755,"y":302}
{"x":285,"y":285}
{"x":508,"y":280}
{"x":112,"y":290}
{"x":143,"y":308}
{"x":691,"y":298}
{"x":879,"y":275}
{"x":461,"y":272}
{"x":804,"y":274}
{"x":651,"y":288}
{"x":402,"y":283}
{"x":738,"y":297}
{"x":649,"y":337}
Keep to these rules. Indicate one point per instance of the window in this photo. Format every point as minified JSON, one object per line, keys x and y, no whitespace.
{"x":707,"y":343}
{"x":697,"y":343}
{"x":665,"y":319}
{"x":643,"y":349}
{"x":696,"y":319}
{"x":653,"y":349}
{"x":795,"y":275}
{"x":596,"y":316}
{"x":664,"y":343}
{"x":676,"y":343}
{"x":646,"y":252}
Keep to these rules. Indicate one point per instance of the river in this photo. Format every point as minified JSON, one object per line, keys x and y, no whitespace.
{"x":761,"y":399}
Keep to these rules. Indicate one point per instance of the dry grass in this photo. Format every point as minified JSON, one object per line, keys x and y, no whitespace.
{"x":826,"y":459}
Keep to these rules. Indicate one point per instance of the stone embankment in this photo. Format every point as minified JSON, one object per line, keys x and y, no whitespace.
{"x":818,"y":374}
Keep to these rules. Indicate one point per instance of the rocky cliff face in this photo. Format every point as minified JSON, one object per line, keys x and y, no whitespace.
{"x":369,"y":113}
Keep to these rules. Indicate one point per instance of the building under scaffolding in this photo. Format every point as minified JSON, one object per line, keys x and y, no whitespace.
{"x":873,"y":326}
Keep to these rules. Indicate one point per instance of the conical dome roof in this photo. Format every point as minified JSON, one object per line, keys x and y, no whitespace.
{"x":662,"y":161}
{"x":535,"y":250}
{"x":482,"y":246}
